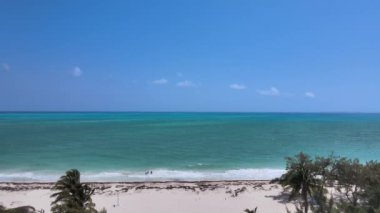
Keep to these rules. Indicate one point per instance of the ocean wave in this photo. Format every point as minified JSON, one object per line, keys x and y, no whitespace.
{"x":238,"y":174}
{"x":154,"y":175}
{"x":28,"y":177}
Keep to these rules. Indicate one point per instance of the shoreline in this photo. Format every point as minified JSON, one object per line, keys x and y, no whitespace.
{"x":22,"y":186}
{"x":155,"y":175}
{"x":166,"y":197}
{"x":138,"y":182}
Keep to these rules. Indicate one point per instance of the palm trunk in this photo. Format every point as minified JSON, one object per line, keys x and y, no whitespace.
{"x":306,"y":203}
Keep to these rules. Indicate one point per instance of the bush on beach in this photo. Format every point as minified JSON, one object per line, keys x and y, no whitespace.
{"x":308,"y":179}
{"x":21,"y":209}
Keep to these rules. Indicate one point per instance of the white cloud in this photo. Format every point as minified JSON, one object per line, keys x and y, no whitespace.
{"x":186,"y":83}
{"x":273,"y":91}
{"x":238,"y":86}
{"x":160,"y":81}
{"x":77,"y":72}
{"x":6,"y":67}
{"x":309,"y":94}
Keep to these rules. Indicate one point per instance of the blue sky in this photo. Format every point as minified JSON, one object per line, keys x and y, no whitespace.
{"x":283,"y":56}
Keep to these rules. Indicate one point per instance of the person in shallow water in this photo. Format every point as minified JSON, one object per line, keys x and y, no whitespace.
{"x":148,"y":172}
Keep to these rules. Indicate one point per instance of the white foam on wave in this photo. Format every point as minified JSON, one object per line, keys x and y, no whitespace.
{"x":28,"y":177}
{"x":156,"y":175}
{"x":238,"y":174}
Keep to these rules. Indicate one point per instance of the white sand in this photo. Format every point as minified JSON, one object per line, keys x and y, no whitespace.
{"x":195,"y":197}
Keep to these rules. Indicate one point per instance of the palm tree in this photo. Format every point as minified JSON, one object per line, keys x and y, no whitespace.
{"x":72,"y":195}
{"x":300,"y":178}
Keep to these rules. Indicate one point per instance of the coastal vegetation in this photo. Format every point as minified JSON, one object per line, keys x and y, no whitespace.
{"x":72,"y":196}
{"x":329,"y":184}
{"x":332,"y":184}
{"x":21,"y":209}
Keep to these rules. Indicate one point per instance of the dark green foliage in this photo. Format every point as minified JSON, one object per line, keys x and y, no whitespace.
{"x":358,"y":185}
{"x":300,"y":178}
{"x":72,"y":196}
{"x":21,"y":209}
{"x":324,"y":168}
{"x":371,"y":186}
{"x":348,"y":175}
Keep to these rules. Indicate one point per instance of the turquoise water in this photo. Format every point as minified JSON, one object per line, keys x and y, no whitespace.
{"x":175,"y":146}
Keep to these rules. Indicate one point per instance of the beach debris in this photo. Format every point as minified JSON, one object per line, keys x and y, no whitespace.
{"x":237,"y":191}
{"x":251,"y":211}
{"x":259,"y":186}
{"x":234,"y":188}
{"x":204,"y":186}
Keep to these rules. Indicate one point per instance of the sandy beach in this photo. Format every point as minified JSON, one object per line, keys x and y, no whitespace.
{"x":161,"y":197}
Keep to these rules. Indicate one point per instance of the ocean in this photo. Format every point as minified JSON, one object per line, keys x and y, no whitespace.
{"x":123,"y":146}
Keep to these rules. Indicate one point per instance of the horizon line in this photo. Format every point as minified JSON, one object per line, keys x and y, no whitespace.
{"x":184,"y":111}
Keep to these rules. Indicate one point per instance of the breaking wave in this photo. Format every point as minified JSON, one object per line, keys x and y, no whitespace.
{"x":151,"y":175}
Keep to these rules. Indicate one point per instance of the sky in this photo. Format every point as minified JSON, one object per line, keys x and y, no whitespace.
{"x":190,"y":55}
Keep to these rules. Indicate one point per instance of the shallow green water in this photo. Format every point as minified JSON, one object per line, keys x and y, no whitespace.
{"x":122,"y":146}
